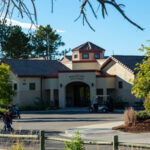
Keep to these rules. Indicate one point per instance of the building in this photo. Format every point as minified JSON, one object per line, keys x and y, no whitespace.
{"x":75,"y":80}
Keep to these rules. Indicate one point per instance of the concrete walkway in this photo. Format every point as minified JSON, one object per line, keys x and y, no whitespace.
{"x":104,"y":132}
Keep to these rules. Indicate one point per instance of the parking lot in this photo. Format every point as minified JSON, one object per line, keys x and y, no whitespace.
{"x":59,"y":121}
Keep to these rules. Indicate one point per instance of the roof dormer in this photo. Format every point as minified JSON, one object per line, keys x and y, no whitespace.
{"x":87,"y":52}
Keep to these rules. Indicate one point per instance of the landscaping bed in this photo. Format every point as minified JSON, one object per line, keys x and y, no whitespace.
{"x":135,"y":122}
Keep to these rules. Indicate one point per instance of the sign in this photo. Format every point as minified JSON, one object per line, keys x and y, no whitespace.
{"x":76,"y":77}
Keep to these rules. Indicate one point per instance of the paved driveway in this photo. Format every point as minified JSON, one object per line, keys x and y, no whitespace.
{"x":59,"y":121}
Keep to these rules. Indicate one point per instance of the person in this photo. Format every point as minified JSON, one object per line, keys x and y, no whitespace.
{"x":15,"y":111}
{"x":7,"y":119}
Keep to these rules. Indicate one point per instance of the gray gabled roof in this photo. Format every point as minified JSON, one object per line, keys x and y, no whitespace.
{"x":35,"y":67}
{"x":69,"y":57}
{"x":128,"y":61}
{"x":88,"y":46}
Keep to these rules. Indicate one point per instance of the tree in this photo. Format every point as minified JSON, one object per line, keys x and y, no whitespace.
{"x":7,"y":8}
{"x":46,"y":42}
{"x":6,"y":90}
{"x":14,"y":42}
{"x":141,"y":84}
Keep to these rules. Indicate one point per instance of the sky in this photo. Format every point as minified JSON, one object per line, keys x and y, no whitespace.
{"x":114,"y":33}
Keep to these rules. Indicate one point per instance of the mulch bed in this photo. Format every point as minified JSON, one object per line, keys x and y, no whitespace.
{"x":139,"y":127}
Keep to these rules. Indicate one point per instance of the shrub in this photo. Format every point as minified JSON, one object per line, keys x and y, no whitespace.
{"x":3,"y":110}
{"x":119,"y":103}
{"x":17,"y":147}
{"x":41,"y":104}
{"x":129,"y":116}
{"x":142,"y":115}
{"x":147,"y":102}
{"x":75,"y":144}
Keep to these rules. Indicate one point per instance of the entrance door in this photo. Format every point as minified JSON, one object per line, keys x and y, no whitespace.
{"x":77,"y":94}
{"x":47,"y":95}
{"x":56,"y":99}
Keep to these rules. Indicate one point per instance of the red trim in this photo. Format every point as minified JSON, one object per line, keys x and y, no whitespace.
{"x":29,"y":76}
{"x":85,"y":51}
{"x":44,"y":76}
{"x":105,"y":75}
{"x":67,"y":71}
{"x":51,"y":76}
{"x":85,"y":61}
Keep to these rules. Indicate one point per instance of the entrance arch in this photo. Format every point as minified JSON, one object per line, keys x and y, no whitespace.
{"x":77,"y":94}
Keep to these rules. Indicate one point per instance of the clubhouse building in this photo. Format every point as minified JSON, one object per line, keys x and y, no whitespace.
{"x":74,"y":81}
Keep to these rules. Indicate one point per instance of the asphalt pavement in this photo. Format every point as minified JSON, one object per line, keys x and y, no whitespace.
{"x":64,"y":122}
{"x":103,"y":132}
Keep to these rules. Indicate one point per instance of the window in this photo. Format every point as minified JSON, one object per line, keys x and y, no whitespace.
{"x":97,"y":55}
{"x":31,"y":86}
{"x":75,"y":56}
{"x":120,"y":84}
{"x":85,"y":56}
{"x":15,"y":86}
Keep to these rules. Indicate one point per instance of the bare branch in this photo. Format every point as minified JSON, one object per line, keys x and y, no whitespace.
{"x":52,"y":3}
{"x":92,"y":9}
{"x":6,"y":13}
{"x":113,"y":3}
{"x":7,"y":7}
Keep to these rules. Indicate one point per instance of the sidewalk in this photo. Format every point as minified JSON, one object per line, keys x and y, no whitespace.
{"x":104,"y":132}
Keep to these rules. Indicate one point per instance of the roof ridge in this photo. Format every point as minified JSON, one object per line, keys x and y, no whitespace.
{"x":88,"y":46}
{"x":129,"y":55}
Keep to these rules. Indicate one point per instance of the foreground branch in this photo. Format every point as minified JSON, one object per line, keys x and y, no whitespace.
{"x":7,"y":8}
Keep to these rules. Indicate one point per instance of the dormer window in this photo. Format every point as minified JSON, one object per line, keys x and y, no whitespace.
{"x":97,"y":55}
{"x":85,"y":56}
{"x":75,"y":56}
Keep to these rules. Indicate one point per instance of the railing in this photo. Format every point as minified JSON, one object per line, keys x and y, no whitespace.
{"x":115,"y":143}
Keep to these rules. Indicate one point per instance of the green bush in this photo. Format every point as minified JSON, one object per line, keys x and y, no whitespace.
{"x":75,"y":144}
{"x":39,"y":104}
{"x":119,"y":103}
{"x":147,"y":102}
{"x":17,"y":147}
{"x":142,"y":115}
{"x":3,"y":110}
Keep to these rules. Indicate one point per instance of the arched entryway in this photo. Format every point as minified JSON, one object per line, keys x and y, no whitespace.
{"x":77,"y":94}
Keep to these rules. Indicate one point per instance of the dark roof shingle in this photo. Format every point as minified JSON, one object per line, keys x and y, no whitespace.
{"x":129,"y":61}
{"x":69,"y":57}
{"x":35,"y":67}
{"x":88,"y":46}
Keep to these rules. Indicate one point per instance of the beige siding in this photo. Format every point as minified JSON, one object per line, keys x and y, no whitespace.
{"x":85,"y":66}
{"x":68,"y":64}
{"x":86,"y":77}
{"x":15,"y":80}
{"x":50,"y":83}
{"x":28,"y":96}
{"x":75,"y":53}
{"x":108,"y":82}
{"x":114,"y":68}
{"x":125,"y":76}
